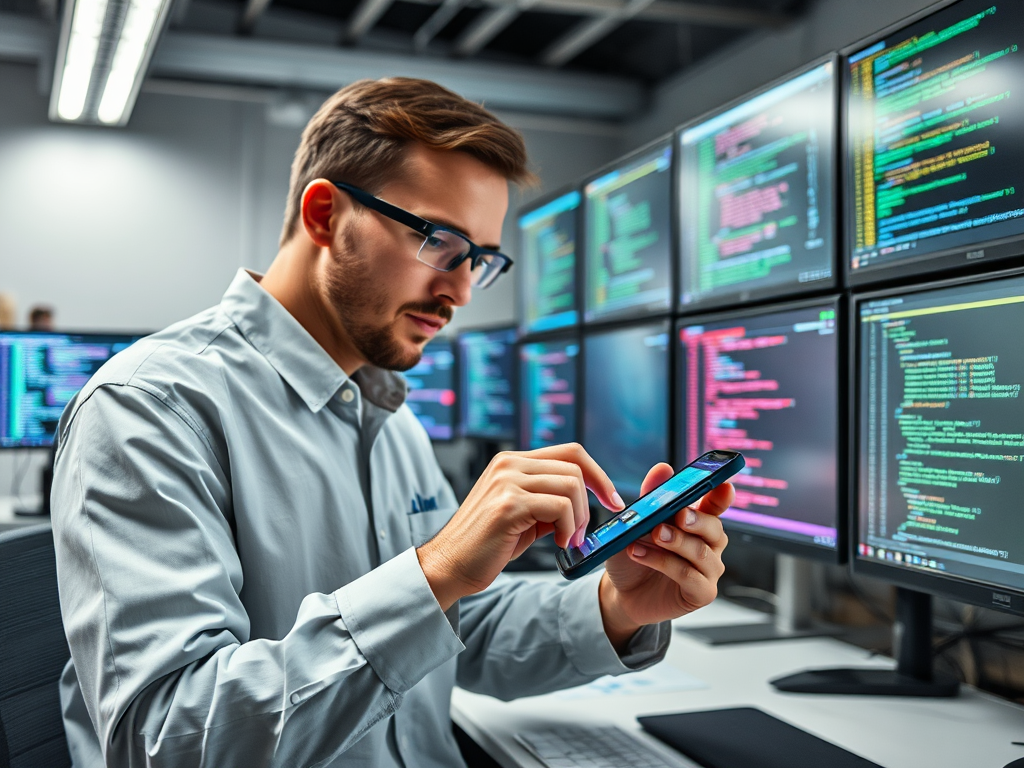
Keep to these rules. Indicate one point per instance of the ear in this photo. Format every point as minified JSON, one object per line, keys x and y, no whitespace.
{"x":321,"y":205}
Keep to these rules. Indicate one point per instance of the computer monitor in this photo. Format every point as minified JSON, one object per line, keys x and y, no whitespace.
{"x":628,"y":236}
{"x":756,"y":181}
{"x":939,"y":436}
{"x":39,"y":374}
{"x":767,"y":384}
{"x":548,"y":374}
{"x":626,"y":401}
{"x":935,"y":144}
{"x":431,"y":393}
{"x":940,"y":440}
{"x":488,"y":384}
{"x":547,"y":269}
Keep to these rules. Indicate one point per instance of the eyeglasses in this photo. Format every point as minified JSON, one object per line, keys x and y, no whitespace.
{"x":443,"y":249}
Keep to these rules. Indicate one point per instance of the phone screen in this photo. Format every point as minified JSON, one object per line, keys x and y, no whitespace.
{"x":647,"y":505}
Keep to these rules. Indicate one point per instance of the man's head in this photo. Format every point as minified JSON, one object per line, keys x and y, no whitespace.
{"x":40,"y":318}
{"x":419,"y":147}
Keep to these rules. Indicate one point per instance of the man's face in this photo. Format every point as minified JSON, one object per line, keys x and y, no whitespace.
{"x":389,"y":303}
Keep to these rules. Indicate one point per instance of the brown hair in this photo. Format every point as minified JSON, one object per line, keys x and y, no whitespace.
{"x":359,"y":135}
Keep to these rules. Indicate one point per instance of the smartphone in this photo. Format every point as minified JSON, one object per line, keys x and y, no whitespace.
{"x":640,"y":518}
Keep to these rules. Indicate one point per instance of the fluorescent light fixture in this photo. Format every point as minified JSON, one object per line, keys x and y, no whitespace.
{"x":104,"y":50}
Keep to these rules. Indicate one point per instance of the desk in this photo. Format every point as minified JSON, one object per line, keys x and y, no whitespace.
{"x":10,"y":521}
{"x":973,"y":730}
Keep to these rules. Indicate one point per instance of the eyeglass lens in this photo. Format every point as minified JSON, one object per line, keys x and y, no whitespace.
{"x":443,"y":250}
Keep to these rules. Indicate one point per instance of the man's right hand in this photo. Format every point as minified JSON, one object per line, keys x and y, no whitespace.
{"x":519,"y":498}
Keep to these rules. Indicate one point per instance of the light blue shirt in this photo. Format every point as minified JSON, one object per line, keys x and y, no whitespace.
{"x":234,"y":519}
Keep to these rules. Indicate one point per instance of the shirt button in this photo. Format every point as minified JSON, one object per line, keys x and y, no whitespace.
{"x":383,"y":533}
{"x":347,"y":395}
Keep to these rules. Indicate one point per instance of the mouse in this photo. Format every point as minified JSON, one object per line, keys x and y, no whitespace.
{"x":1018,"y":763}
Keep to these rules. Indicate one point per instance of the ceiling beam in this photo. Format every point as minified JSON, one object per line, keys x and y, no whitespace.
{"x":253,"y":10}
{"x":584,"y":35}
{"x":366,"y":15}
{"x":438,"y":21}
{"x":179,"y":10}
{"x":253,"y":61}
{"x":660,"y":10}
{"x":24,"y":38}
{"x":484,"y":28}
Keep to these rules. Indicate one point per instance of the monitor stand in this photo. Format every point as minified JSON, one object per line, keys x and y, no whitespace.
{"x":792,"y":611}
{"x":914,"y":674}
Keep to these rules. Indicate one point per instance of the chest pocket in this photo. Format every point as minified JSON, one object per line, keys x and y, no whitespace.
{"x":424,"y":525}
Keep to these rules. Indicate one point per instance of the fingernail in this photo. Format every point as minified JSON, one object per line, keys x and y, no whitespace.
{"x":665,"y":534}
{"x":639,"y":550}
{"x":617,"y":499}
{"x":691,"y":517}
{"x":577,"y":538}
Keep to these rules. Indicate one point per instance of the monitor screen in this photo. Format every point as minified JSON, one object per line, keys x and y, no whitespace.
{"x":941,"y":432}
{"x":767,"y":385}
{"x":547,"y":272}
{"x":431,"y":393}
{"x":628,"y":261}
{"x":547,"y":407}
{"x":40,"y":373}
{"x":487,"y":381}
{"x":934,"y":135}
{"x":625,"y":402}
{"x":755,"y":194}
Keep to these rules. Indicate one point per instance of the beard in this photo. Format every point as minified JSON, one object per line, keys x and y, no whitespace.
{"x":357,"y":299}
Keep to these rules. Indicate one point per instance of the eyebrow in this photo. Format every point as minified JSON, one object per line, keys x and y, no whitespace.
{"x":455,"y":228}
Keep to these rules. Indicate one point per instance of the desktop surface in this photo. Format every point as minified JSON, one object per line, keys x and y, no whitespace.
{"x":974,"y":730}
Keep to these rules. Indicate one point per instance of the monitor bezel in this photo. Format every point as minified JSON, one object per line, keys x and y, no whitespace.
{"x":534,"y":204}
{"x":838,"y":554}
{"x":570,"y":335}
{"x":631,"y":313}
{"x":965,"y":260}
{"x":463,"y":430}
{"x":668,"y":322}
{"x":137,"y":335}
{"x":960,"y":588}
{"x":777,"y":292}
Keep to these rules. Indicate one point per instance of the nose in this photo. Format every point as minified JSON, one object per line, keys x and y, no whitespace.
{"x":456,"y":287}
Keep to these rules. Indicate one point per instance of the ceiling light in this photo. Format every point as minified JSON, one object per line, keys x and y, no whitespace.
{"x":104,"y":50}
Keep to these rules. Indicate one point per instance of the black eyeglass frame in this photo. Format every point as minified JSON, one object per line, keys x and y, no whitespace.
{"x":427,"y":229}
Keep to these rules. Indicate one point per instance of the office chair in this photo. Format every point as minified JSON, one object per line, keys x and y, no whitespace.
{"x":33,"y":652}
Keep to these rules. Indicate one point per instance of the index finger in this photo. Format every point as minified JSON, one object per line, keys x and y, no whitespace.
{"x":595,"y":478}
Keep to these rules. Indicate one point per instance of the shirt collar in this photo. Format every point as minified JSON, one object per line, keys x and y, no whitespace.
{"x":295,"y":354}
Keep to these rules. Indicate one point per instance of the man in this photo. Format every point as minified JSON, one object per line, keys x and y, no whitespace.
{"x":40,"y":318}
{"x":244,"y":577}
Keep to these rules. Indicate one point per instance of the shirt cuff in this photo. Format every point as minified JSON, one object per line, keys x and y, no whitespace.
{"x":397,"y":623}
{"x":584,"y":639}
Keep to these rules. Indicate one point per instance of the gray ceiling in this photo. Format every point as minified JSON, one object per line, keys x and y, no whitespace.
{"x":591,"y":58}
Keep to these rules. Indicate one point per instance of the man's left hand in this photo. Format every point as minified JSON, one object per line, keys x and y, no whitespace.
{"x":672,"y":571}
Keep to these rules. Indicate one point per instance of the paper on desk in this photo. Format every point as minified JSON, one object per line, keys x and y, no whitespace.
{"x":661,"y":678}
